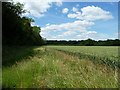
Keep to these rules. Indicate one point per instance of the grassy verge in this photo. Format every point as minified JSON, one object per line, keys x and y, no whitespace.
{"x":48,"y":68}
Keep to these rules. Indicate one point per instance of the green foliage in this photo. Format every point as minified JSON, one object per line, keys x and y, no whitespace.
{"x":17,"y":30}
{"x":88,"y":42}
{"x":18,"y":8}
{"x":36,"y":29}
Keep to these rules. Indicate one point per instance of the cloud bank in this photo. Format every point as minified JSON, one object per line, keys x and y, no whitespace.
{"x":79,"y":29}
{"x":90,"y":13}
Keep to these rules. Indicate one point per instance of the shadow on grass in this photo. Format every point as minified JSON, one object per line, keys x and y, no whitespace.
{"x":13,"y":54}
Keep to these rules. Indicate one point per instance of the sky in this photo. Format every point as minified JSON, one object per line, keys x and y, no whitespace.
{"x":74,"y":20}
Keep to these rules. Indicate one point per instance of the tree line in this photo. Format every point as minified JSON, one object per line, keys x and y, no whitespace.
{"x":88,"y":42}
{"x":16,"y":29}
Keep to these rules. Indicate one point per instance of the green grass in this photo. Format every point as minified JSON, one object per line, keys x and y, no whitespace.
{"x":109,"y":51}
{"x":102,"y":54}
{"x":49,"y":68}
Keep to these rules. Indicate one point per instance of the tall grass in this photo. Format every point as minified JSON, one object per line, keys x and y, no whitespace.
{"x":49,"y":68}
{"x":98,"y":54}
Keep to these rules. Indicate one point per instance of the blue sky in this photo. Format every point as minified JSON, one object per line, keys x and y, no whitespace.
{"x":75,"y":20}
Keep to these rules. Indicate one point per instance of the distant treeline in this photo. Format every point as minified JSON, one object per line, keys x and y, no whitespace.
{"x":88,"y":42}
{"x":16,"y":29}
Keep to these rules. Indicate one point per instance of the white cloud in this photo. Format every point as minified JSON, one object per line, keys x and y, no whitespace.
{"x":76,"y":25}
{"x":65,"y":10}
{"x":66,"y":30}
{"x":72,"y":15}
{"x":86,"y":35}
{"x":75,"y":15}
{"x":91,"y":13}
{"x":69,"y":33}
{"x":74,"y":9}
{"x":77,"y":5}
{"x":95,"y":13}
{"x":48,"y":24}
{"x":34,"y":24}
{"x":39,"y":7}
{"x":58,"y":2}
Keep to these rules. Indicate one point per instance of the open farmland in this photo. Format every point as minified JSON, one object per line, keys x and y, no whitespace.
{"x":52,"y":67}
{"x":102,"y":54}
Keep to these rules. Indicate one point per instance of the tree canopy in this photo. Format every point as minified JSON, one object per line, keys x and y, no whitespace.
{"x":17,"y":30}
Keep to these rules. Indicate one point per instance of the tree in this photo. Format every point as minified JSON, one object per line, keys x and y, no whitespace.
{"x":17,"y":30}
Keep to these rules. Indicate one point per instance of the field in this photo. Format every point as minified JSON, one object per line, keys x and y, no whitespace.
{"x":60,"y":67}
{"x":102,"y":54}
